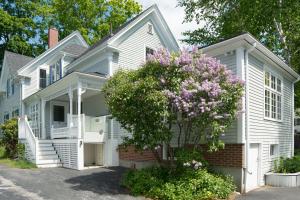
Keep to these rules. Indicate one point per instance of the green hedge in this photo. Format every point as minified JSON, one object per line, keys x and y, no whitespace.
{"x":178,"y":184}
{"x":288,"y":165}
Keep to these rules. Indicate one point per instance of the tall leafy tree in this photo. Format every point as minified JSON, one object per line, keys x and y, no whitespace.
{"x":93,"y":18}
{"x":276,"y":23}
{"x":21,"y":22}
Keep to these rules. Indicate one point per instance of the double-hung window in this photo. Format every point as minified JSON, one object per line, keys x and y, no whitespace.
{"x":273,"y":96}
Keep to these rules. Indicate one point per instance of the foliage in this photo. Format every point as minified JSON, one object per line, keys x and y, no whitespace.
{"x":287,"y":165}
{"x":190,"y":158}
{"x":10,"y":137}
{"x":171,"y":184}
{"x":93,"y":18}
{"x":188,"y":90}
{"x":274,"y":22}
{"x":24,"y":24}
{"x":21,"y":23}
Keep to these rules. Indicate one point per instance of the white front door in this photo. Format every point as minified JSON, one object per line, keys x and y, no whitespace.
{"x":253,"y":165}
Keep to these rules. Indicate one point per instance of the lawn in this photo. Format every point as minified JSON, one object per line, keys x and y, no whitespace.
{"x":21,"y":164}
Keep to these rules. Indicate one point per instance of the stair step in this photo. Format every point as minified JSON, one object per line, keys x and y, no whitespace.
{"x":48,"y":165}
{"x":42,"y":148}
{"x":47,"y":153}
{"x":48,"y":157}
{"x":45,"y":145}
{"x":45,"y":141}
{"x":50,"y":161}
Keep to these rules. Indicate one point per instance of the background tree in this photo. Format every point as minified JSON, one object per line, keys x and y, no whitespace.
{"x":93,"y":18}
{"x":275,"y":23}
{"x":190,"y":92}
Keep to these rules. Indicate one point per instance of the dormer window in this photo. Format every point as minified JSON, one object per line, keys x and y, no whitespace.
{"x":55,"y":71}
{"x":150,"y":28}
{"x":43,"y":78}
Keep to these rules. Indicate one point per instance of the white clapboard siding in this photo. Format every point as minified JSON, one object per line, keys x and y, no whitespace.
{"x":132,"y":49}
{"x":31,"y":85}
{"x":266,"y":131}
{"x":230,"y":135}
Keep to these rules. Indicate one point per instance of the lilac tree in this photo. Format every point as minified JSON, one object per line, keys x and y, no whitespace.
{"x":185,"y":96}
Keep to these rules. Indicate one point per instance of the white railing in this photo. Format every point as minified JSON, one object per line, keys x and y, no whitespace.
{"x":25,"y":132}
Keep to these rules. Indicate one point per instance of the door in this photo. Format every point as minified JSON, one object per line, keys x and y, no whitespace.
{"x":253,"y":178}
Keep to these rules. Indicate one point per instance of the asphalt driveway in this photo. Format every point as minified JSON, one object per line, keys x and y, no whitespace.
{"x":62,"y":184}
{"x":272,"y":193}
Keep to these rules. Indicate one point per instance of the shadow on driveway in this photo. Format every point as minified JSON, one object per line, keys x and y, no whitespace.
{"x":107,"y":181}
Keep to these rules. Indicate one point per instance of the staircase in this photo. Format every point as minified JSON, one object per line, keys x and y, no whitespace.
{"x":47,"y":155}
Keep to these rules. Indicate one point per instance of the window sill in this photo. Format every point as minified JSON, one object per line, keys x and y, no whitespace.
{"x":273,"y":120}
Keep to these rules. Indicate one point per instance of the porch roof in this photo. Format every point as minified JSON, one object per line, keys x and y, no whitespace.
{"x":91,"y":81}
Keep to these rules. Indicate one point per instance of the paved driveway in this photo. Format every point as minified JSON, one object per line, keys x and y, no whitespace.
{"x":272,"y":193}
{"x":62,"y":184}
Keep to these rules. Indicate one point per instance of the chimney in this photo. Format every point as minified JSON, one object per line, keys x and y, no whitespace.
{"x":52,"y":37}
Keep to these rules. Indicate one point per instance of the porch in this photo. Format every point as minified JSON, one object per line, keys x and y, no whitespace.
{"x":74,"y":117}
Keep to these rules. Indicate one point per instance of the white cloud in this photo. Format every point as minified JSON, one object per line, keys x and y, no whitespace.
{"x":174,"y":16}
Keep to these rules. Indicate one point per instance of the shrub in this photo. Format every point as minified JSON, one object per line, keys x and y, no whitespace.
{"x":287,"y":165}
{"x":178,"y":184}
{"x":10,"y":138}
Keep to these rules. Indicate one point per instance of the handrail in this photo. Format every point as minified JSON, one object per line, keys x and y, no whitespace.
{"x":30,"y":137}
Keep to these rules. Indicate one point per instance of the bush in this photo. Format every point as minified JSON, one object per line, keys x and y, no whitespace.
{"x":287,"y":165}
{"x":178,"y":184}
{"x":10,"y":138}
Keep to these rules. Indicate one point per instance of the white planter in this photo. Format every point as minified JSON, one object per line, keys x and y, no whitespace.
{"x":283,"y":180}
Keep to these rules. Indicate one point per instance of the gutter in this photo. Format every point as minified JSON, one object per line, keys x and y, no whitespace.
{"x":247,"y":51}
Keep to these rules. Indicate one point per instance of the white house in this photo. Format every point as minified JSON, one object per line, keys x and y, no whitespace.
{"x":68,"y":123}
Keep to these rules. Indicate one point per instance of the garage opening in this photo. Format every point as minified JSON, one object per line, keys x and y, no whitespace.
{"x":93,"y":154}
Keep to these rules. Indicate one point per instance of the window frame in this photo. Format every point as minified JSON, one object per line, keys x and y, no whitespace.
{"x":273,"y":91}
{"x":147,"y":47}
{"x":6,"y":116}
{"x":152,"y":29}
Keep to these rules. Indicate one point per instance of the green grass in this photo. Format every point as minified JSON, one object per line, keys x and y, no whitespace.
{"x":21,"y":164}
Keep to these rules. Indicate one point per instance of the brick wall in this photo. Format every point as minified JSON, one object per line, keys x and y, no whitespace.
{"x":231,"y":156}
{"x":131,"y":154}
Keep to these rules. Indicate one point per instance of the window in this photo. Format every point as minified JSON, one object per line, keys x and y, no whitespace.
{"x":8,"y":88}
{"x":273,"y":97}
{"x":15,"y":113}
{"x":149,"y":51}
{"x":43,"y":78}
{"x":55,"y":71}
{"x":297,"y":121}
{"x":6,"y":117}
{"x":150,"y":28}
{"x":58,"y":113}
{"x":274,"y":150}
{"x":34,"y":119}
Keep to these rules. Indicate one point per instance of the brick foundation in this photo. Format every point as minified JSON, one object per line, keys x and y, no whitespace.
{"x":231,"y":156}
{"x":131,"y":154}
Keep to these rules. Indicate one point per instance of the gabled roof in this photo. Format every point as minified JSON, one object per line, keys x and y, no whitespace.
{"x":108,"y":40}
{"x":249,"y":41}
{"x":15,"y":61}
{"x":73,"y":35}
{"x":75,"y":49}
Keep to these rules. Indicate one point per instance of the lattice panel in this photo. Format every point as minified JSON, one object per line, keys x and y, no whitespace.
{"x":67,"y":153}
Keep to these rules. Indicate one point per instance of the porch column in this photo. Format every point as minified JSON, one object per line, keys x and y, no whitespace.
{"x":43,"y":107}
{"x":71,"y":107}
{"x":79,"y":92}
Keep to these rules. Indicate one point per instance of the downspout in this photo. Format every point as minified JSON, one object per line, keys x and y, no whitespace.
{"x":293,"y":117}
{"x":247,"y":51}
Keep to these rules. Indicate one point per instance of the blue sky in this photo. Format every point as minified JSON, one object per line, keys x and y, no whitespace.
{"x":173,"y":14}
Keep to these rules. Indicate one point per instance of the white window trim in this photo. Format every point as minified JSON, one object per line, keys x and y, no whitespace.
{"x":267,"y":69}
{"x":145,"y":56}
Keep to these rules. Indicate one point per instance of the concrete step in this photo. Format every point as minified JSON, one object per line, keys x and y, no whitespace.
{"x":48,"y":161}
{"x":45,"y":145}
{"x":46,"y":148}
{"x":45,"y":141}
{"x":48,"y":165}
{"x":48,"y":157}
{"x":45,"y":153}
